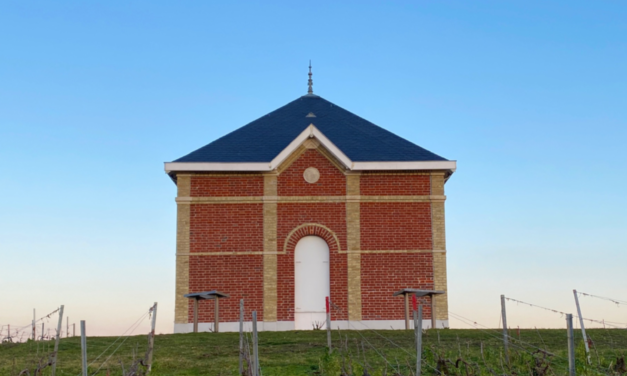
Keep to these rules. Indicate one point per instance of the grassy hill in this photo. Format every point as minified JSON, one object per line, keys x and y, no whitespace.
{"x":460,"y":352}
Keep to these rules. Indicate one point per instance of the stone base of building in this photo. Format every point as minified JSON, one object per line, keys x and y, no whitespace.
{"x":280,"y":326}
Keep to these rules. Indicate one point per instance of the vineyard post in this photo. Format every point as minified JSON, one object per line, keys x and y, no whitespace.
{"x":216,"y":315}
{"x":151,"y":343}
{"x":406,"y":311}
{"x":255,"y":359}
{"x":56,"y":342}
{"x":241,"y":336}
{"x":418,"y":333}
{"x":583,"y":328}
{"x":34,"y":326}
{"x":328,"y":324}
{"x":42,"y":331}
{"x":73,"y":329}
{"x":195,"y":315}
{"x":434,"y":322}
{"x":67,"y":326}
{"x":571,"y":345}
{"x":505,"y":339}
{"x":84,"y":347}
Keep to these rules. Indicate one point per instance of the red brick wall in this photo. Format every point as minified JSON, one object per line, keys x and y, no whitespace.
{"x":290,"y":216}
{"x":395,"y":225}
{"x":228,"y":185}
{"x":380,"y":184}
{"x":240,"y":276}
{"x":383,"y":274}
{"x":239,"y":228}
{"x":332,"y":181}
{"x":226,"y":228}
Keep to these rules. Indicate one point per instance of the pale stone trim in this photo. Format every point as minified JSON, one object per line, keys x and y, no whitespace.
{"x":334,"y":161}
{"x":290,"y":159}
{"x":394,"y":173}
{"x":346,"y":172}
{"x":356,"y":166}
{"x":215,"y":166}
{"x":200,"y":174}
{"x":292,"y":199}
{"x":397,"y":251}
{"x":296,"y":144}
{"x":234,"y":253}
{"x":330,"y":146}
{"x":284,"y":252}
{"x":308,"y":145}
{"x":312,"y":143}
{"x":220,"y":200}
{"x":424,"y":198}
{"x":298,"y":199}
{"x":417,"y":165}
{"x":270,"y":249}
{"x":182,"y":247}
{"x":310,"y":132}
{"x":439,"y":242}
{"x":353,"y":237}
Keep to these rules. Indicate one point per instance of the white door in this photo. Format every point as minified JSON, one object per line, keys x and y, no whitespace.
{"x":312,"y":282}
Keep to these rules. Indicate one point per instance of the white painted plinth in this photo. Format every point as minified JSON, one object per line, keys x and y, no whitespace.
{"x":281,"y":326}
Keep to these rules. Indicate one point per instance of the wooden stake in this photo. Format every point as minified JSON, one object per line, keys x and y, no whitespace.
{"x":195,"y":315}
{"x":571,"y":345}
{"x":255,"y":346}
{"x":216,"y":315}
{"x":505,"y":336}
{"x":433,"y":318}
{"x":328,"y":324}
{"x":84,"y":347}
{"x":418,"y":334}
{"x":583,"y":328}
{"x":241,"y":336}
{"x":406,"y":311}
{"x":151,"y":342}
{"x":56,"y":342}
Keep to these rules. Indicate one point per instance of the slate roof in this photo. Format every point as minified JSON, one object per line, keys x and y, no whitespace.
{"x":263,"y":139}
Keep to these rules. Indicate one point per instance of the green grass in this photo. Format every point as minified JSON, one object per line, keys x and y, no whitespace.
{"x":305,"y":353}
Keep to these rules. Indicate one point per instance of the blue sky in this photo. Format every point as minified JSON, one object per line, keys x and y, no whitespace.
{"x":528,"y":96}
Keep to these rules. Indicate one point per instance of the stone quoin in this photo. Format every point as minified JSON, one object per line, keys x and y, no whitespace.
{"x":249,"y":203}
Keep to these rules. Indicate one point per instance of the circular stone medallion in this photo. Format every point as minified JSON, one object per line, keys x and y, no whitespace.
{"x":311,"y":175}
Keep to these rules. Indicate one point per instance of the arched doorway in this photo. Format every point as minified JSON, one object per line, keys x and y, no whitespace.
{"x":312,"y":283}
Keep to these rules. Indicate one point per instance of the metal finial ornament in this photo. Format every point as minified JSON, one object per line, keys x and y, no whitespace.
{"x":310,"y":83}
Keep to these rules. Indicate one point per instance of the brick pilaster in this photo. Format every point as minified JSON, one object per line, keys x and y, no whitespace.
{"x":439,"y":244}
{"x":353,"y":236}
{"x":270,"y":248}
{"x":182,"y":250}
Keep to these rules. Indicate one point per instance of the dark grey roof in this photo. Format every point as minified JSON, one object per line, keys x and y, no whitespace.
{"x":263,"y":139}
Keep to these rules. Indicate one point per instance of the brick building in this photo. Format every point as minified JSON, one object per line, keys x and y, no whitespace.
{"x":305,"y":202}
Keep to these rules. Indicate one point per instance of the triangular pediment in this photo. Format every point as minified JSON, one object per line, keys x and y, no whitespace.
{"x":311,"y":135}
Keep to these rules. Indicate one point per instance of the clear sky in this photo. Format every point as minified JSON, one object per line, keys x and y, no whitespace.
{"x":528,"y":96}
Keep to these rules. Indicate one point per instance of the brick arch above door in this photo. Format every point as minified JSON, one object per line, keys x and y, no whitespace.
{"x":309,"y":229}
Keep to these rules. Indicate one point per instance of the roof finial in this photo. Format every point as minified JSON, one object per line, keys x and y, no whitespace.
{"x":310,"y":83}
